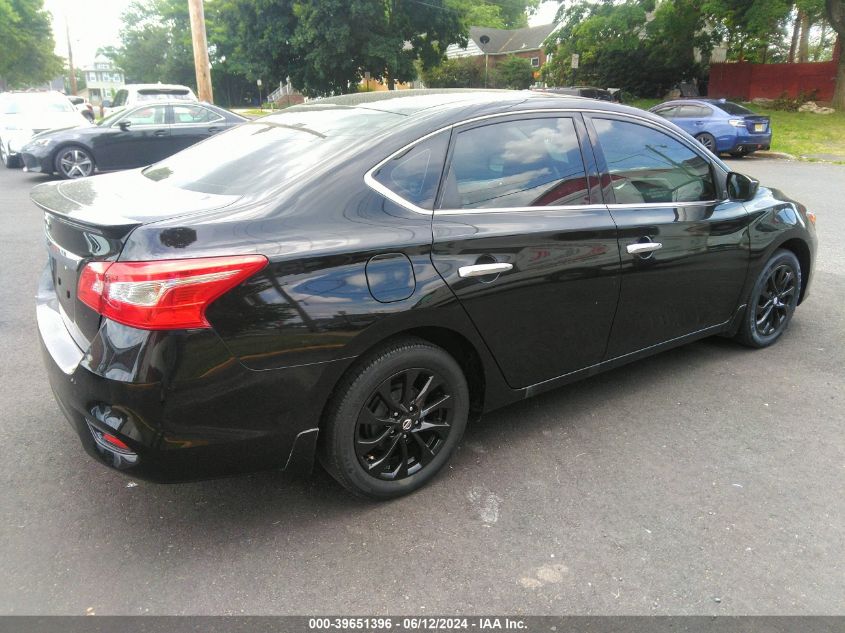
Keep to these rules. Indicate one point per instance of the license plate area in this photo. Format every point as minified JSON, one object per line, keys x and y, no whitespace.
{"x":759,"y":127}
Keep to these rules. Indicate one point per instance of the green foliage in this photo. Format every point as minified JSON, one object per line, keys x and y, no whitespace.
{"x":27,"y":57}
{"x":463,"y":72}
{"x":785,"y":103}
{"x":339,"y":40}
{"x":513,"y":72}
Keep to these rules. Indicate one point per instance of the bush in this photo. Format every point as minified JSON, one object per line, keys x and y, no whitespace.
{"x":463,"y":72}
{"x":788,"y":104}
{"x":514,"y":72}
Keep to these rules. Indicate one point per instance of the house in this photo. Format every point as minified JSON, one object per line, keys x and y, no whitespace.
{"x":102,"y":80}
{"x":494,"y":45}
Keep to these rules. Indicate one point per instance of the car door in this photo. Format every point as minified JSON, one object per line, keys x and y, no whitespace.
{"x":138,"y":138}
{"x":522,"y":238}
{"x":692,"y":118}
{"x":192,"y":123}
{"x":684,"y":247}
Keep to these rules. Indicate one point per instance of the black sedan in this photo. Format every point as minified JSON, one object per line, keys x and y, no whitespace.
{"x":358,"y":278}
{"x":130,"y":138}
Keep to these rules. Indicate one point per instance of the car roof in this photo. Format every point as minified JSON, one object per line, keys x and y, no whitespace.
{"x":154,"y":86}
{"x":462,"y":101}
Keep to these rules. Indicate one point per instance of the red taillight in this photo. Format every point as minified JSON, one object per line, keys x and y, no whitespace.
{"x":164,"y":295}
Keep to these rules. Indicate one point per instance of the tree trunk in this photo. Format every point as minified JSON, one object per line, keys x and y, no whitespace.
{"x":839,"y":91}
{"x":391,"y":82}
{"x":836,"y":15}
{"x":804,"y":42}
{"x":796,"y":31}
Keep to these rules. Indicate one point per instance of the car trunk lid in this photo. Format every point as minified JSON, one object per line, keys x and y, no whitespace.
{"x":90,"y":219}
{"x":757,"y":124}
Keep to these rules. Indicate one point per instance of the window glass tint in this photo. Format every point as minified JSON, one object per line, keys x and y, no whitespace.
{"x":414,"y":175}
{"x":150,"y":115}
{"x":732,"y":108}
{"x":649,"y":166}
{"x":668,"y":112}
{"x":119,"y":98}
{"x":529,"y":163}
{"x":187,"y":114}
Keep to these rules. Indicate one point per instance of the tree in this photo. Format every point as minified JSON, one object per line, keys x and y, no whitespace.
{"x":513,"y":72}
{"x":836,"y":16}
{"x":338,"y":40}
{"x":27,"y":57}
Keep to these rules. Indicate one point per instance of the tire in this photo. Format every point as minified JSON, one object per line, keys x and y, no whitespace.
{"x":10,"y":162}
{"x":708,"y":140}
{"x":772,"y":302}
{"x":395,"y":420}
{"x":73,"y":161}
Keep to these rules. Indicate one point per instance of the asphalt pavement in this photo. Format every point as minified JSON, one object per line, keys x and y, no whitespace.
{"x":706,"y":480}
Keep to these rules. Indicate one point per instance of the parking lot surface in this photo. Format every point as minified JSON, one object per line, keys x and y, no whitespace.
{"x":706,"y":480}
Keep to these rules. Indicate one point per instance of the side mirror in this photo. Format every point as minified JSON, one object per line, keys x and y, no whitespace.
{"x":124,"y":125}
{"x":741,"y":187}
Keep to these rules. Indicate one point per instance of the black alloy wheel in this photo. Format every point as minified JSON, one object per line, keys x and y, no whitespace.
{"x":404,"y":424}
{"x":708,"y":140}
{"x":395,"y":419}
{"x":74,"y":162}
{"x":773,"y":301}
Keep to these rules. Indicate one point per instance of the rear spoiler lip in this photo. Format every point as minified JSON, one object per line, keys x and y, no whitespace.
{"x":117,"y":222}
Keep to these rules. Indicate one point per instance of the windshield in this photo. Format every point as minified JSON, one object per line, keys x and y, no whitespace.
{"x":267,"y":152}
{"x":34,"y":103}
{"x":733,"y":108}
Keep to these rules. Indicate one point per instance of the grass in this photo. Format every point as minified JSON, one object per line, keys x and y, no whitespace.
{"x":801,"y":134}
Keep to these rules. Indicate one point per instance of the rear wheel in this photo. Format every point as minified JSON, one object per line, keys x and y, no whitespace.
{"x":772,"y":301}
{"x":708,"y":140}
{"x":74,"y":162}
{"x":395,"y":420}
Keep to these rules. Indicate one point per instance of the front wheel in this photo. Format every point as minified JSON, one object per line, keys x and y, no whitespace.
{"x":395,"y":420}
{"x":8,"y":161}
{"x":74,"y":162}
{"x":708,"y":140}
{"x":772,"y":302}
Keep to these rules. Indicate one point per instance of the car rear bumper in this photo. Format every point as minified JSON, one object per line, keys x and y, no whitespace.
{"x":751,"y":142}
{"x":179,"y":424}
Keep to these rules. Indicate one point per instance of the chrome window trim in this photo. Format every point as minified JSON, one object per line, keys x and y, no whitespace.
{"x":373,"y":184}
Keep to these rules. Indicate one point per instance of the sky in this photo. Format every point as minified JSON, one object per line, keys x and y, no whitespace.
{"x":96,"y":23}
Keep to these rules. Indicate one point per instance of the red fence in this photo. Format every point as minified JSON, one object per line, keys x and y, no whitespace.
{"x":748,"y":81}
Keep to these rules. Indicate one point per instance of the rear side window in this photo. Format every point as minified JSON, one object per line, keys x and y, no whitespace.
{"x":188,"y":114}
{"x":528,"y":163}
{"x":647,"y":166}
{"x":415,"y":174}
{"x":694,"y":111}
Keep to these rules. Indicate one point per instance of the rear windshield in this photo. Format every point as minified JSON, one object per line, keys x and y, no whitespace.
{"x":733,"y":108}
{"x":159,"y":94}
{"x":274,"y":149}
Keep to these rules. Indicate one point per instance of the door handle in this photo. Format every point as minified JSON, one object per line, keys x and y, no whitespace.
{"x":160,"y":133}
{"x":643,"y":247}
{"x":482,"y":270}
{"x":213,"y":129}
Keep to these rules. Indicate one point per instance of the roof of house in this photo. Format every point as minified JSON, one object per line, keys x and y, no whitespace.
{"x":511,"y":40}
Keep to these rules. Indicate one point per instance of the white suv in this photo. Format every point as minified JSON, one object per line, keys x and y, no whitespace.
{"x":132,"y":94}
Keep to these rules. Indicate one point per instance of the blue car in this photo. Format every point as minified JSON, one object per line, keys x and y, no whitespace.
{"x":719,"y":125}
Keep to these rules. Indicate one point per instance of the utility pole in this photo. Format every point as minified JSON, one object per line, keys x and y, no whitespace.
{"x":201,"y":64}
{"x":70,"y":60}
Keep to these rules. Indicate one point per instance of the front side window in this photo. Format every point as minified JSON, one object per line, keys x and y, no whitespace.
{"x":414,"y":174}
{"x":528,"y":163}
{"x":119,"y":98}
{"x":149,"y":115}
{"x":648,"y":166}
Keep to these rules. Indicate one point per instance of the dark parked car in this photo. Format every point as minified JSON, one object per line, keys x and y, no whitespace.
{"x":358,"y":278}
{"x":133,"y":137}
{"x":721,"y":126}
{"x":590,"y":92}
